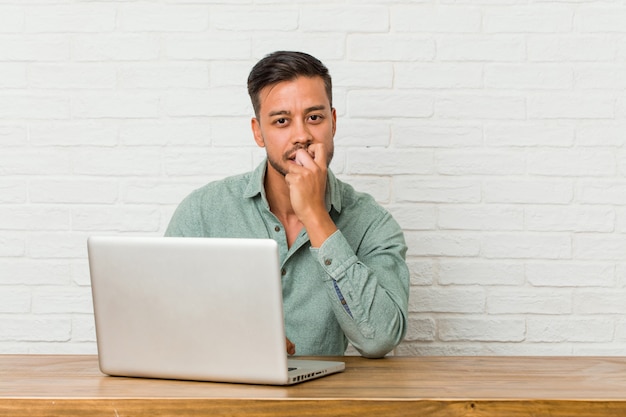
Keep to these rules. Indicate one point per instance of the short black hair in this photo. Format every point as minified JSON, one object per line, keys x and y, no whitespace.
{"x":285,"y":66}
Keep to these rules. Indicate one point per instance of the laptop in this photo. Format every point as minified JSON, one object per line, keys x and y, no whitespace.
{"x":205,"y":309}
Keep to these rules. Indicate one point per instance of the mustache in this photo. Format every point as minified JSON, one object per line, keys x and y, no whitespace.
{"x":295,"y":149}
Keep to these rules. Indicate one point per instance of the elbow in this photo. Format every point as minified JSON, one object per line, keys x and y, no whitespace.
{"x":379,"y":347}
{"x":376,"y":349}
{"x":375,"y":353}
{"x":379,"y":344}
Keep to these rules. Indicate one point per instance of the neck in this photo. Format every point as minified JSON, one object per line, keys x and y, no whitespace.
{"x":277,"y":193}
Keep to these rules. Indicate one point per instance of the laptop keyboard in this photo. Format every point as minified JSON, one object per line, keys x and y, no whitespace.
{"x":292,"y":369}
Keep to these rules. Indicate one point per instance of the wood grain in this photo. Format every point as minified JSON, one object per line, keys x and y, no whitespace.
{"x":53,"y":385}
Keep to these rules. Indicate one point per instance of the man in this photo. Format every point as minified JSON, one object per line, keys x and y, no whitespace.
{"x":344,"y":273}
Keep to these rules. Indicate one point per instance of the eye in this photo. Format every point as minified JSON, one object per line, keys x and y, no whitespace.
{"x":316,"y":118}
{"x":280,"y":122}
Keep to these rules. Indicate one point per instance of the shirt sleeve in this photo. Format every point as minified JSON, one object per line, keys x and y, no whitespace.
{"x":368,"y":288}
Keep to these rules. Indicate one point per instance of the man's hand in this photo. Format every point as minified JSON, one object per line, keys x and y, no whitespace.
{"x":307,"y":190}
{"x":291,"y":348}
{"x":307,"y":181}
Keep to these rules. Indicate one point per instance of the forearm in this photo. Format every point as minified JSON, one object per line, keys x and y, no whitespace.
{"x":369,"y":301}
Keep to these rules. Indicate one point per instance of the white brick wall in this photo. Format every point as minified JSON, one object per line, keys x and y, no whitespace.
{"x":493,"y":130}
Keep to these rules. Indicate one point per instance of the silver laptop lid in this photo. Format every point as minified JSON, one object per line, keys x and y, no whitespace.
{"x":189,"y":308}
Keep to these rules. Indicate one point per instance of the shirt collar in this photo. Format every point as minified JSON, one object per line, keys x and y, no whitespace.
{"x":257,"y":178}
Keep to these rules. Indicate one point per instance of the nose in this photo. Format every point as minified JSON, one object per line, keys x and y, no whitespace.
{"x":301,"y":134}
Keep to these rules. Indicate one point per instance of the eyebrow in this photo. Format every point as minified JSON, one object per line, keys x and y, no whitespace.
{"x":287,"y":112}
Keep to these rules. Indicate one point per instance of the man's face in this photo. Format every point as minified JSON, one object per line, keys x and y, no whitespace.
{"x":294,"y":115}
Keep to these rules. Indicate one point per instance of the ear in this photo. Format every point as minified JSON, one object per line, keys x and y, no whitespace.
{"x":256,"y":132}
{"x":334,"y":115}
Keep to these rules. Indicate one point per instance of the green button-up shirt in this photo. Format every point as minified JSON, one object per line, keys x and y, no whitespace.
{"x":354,"y":288}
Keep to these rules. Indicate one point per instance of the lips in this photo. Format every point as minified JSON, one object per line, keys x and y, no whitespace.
{"x":292,"y":154}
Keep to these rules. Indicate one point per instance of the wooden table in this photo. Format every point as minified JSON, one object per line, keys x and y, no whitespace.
{"x":62,"y":385}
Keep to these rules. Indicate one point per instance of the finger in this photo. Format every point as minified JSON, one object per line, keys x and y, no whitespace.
{"x":303,"y":158}
{"x":291,"y":348}
{"x":318,"y":153}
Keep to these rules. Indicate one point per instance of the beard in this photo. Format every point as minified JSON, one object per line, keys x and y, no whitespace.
{"x":282,"y":166}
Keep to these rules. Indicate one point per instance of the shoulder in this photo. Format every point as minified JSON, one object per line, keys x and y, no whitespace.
{"x":352,"y":199}
{"x":368,"y":227}
{"x":362,"y":215}
{"x":220,"y":189}
{"x":195,"y":214}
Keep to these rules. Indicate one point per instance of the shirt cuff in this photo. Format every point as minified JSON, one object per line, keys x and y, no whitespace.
{"x":335,"y":255}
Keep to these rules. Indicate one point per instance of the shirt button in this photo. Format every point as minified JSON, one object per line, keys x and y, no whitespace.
{"x":277,"y":228}
{"x":283,"y":272}
{"x":327,"y":262}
